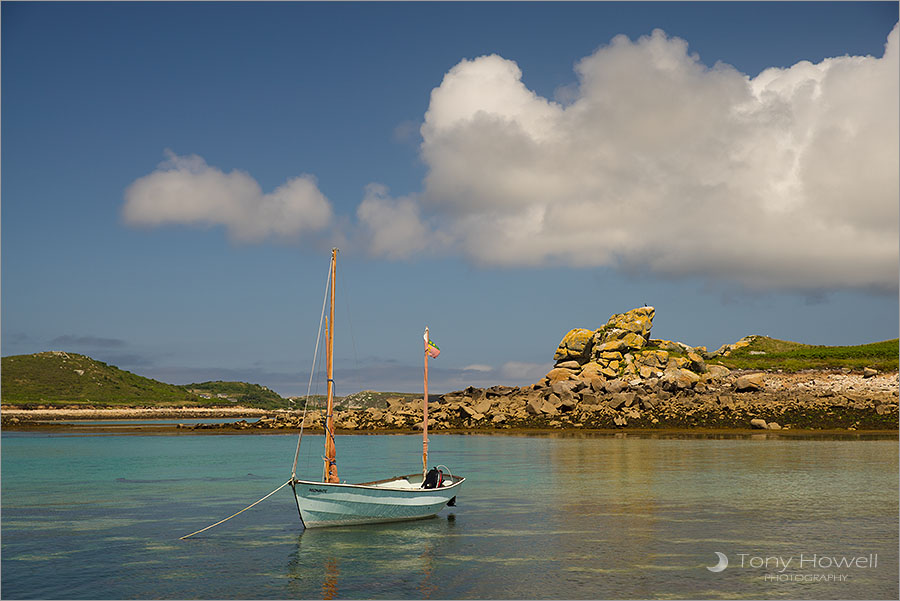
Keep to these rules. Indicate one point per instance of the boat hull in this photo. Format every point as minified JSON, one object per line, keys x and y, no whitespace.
{"x":322,"y":504}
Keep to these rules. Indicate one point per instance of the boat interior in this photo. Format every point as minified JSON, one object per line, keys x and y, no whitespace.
{"x":410,"y":482}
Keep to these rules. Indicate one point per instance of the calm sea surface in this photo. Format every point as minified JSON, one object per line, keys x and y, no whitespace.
{"x":99,"y":517}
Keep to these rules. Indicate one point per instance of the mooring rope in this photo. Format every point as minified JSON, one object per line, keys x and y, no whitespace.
{"x":238,"y":513}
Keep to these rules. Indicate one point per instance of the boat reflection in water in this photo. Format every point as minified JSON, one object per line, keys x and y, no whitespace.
{"x":392,"y":560}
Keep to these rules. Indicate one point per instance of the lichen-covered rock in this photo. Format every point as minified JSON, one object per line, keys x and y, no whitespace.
{"x":626,"y":342}
{"x":750,"y":383}
{"x":575,"y":345}
{"x":653,"y":358}
{"x":679,"y":379}
{"x":589,"y":372}
{"x":697,"y":363}
{"x":571,"y":364}
{"x":717,"y":371}
{"x":637,"y":321}
{"x":559,"y":374}
{"x":623,"y":349}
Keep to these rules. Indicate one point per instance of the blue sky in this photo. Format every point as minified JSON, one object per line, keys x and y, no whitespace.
{"x":175,"y":174}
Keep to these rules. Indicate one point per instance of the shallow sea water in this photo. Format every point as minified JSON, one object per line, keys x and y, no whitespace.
{"x":614,"y":517}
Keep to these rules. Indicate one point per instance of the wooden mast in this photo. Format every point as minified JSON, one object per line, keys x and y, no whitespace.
{"x":330,"y":473}
{"x":425,"y":412}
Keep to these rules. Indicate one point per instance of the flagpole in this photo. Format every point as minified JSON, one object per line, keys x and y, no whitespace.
{"x":425,"y":412}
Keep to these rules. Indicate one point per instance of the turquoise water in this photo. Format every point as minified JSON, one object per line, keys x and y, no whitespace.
{"x":617,"y":517}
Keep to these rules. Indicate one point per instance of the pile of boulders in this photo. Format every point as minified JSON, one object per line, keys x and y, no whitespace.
{"x":623,"y":350}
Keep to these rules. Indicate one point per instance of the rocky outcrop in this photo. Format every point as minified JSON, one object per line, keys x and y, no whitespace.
{"x":623,"y":350}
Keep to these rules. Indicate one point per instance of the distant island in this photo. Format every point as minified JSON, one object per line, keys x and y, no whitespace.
{"x":58,"y":379}
{"x":613,"y":377}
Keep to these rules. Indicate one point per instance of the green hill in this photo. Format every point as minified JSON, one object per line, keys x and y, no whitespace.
{"x":248,"y":395}
{"x":57,"y":378}
{"x":770,"y":353}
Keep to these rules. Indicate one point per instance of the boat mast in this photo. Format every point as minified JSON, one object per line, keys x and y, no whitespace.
{"x":330,"y":472}
{"x":425,"y":411}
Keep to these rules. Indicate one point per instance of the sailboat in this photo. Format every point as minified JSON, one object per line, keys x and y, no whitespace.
{"x":330,"y":502}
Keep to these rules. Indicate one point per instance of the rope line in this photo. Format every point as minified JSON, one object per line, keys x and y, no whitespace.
{"x":238,"y":513}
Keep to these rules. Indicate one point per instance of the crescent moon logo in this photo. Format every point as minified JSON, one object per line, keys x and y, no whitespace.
{"x":723,"y":563}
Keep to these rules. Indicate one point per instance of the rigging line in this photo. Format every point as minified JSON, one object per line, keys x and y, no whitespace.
{"x":317,"y":403}
{"x":236,"y":514}
{"x":311,"y":375}
{"x":319,"y":369}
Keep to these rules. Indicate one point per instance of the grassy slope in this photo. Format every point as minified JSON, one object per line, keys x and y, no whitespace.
{"x":51,"y":378}
{"x":770,"y":353}
{"x":248,"y":395}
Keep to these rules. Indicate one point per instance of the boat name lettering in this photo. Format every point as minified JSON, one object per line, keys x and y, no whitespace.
{"x":318,"y":490}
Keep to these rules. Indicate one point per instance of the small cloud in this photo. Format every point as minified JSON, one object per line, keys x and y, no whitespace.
{"x":184,"y":190}
{"x":477,"y":367}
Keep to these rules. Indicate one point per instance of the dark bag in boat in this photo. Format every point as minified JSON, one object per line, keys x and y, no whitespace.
{"x":433,"y":478}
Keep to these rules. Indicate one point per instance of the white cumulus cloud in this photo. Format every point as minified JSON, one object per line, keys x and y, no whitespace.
{"x":185,"y":190}
{"x":394,"y":225}
{"x":658,"y":162}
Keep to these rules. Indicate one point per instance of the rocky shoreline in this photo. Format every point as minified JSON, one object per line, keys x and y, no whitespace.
{"x":614,"y":377}
{"x":766,"y":401}
{"x":815,"y":400}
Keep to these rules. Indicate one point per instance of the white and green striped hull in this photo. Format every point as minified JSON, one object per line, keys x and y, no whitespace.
{"x":402,"y":498}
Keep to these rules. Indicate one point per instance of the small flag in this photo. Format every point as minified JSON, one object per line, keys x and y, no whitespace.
{"x":431,"y":349}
